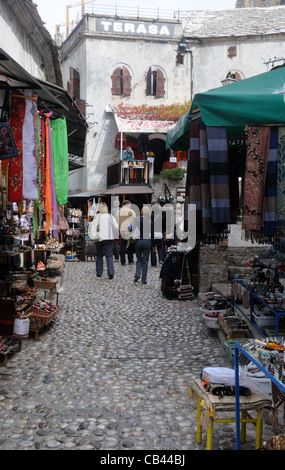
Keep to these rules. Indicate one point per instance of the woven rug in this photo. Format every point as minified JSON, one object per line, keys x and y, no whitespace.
{"x":193,"y":184}
{"x":254,"y":180}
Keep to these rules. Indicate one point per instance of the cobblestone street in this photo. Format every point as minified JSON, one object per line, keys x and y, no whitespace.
{"x":112,"y":372}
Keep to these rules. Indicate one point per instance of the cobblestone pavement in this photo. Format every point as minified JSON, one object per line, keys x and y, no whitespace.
{"x":112,"y":372}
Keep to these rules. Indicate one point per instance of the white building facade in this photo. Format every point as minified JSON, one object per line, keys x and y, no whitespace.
{"x":111,"y":60}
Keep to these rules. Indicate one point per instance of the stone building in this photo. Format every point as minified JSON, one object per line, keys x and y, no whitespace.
{"x":108,"y":60}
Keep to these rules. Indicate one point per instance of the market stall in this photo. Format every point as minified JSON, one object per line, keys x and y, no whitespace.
{"x":236,"y":157}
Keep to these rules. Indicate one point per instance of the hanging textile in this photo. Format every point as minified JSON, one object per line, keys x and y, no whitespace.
{"x":37,"y":212}
{"x":60,"y":159}
{"x":254,"y":180}
{"x":8,"y":147}
{"x":193,"y":183}
{"x":51,"y":180}
{"x":280,"y":193}
{"x":43,"y":157}
{"x":219,"y":174}
{"x":269,"y":214}
{"x":15,"y":173}
{"x":207,"y":225}
{"x":48,"y":207}
{"x":120,"y":136}
{"x":30,"y":145}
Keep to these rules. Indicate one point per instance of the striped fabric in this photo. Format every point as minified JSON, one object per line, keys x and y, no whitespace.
{"x":269,"y":211}
{"x":193,"y":185}
{"x":280,"y":196}
{"x":219,"y":174}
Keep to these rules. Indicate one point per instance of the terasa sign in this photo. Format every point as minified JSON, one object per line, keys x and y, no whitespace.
{"x":135,"y":27}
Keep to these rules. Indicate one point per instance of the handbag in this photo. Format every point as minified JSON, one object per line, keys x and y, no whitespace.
{"x":8,"y":147}
{"x":167,"y":196}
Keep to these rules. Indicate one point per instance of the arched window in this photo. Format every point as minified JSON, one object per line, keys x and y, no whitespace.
{"x":155,"y":83}
{"x":121,"y":82}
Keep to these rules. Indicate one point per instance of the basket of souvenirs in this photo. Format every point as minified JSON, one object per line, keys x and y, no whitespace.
{"x":44,"y":283}
{"x":41,"y":314}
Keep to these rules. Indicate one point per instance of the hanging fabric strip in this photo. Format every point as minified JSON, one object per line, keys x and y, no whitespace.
{"x":48,"y":207}
{"x":43,"y":158}
{"x":254,"y":180}
{"x":60,"y":159}
{"x":15,"y":174}
{"x":30,"y":175}
{"x":193,"y":184}
{"x":219,"y":174}
{"x":207,"y":225}
{"x":280,"y":196}
{"x":52,"y":188}
{"x":269,"y":214}
{"x":38,"y":205}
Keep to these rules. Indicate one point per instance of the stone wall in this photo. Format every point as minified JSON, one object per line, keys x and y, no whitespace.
{"x":218,"y":263}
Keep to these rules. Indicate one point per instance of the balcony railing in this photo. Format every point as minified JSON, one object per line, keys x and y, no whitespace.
{"x":128,"y":172}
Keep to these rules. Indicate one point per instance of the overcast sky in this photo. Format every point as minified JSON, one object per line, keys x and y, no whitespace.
{"x":53,"y":12}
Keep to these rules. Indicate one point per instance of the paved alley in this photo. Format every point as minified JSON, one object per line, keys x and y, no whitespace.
{"x":112,"y":372}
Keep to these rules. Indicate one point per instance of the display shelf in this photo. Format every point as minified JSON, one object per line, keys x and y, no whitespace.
{"x":238,"y":349}
{"x":254,"y":295}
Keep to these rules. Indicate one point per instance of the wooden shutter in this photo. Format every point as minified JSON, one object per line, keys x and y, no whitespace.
{"x":74,"y":83}
{"x":148,"y":82}
{"x":160,"y":81}
{"x":81,"y":105}
{"x":116,"y":82}
{"x":126,"y":82}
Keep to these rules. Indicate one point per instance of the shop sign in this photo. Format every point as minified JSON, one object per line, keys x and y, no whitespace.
{"x":133,"y":164}
{"x":135,"y":27}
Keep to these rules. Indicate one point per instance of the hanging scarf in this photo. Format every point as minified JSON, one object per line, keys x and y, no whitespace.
{"x":60,"y":159}
{"x":269,"y":214}
{"x":48,"y":207}
{"x":207,"y":224}
{"x":254,"y":180}
{"x":280,"y":196}
{"x":52,"y":196}
{"x":30,"y":173}
{"x":219,"y":174}
{"x":43,"y":159}
{"x":37,"y":213}
{"x":193,"y":183}
{"x":15,"y":173}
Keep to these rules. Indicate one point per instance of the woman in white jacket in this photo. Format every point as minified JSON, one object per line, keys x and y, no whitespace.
{"x":104,"y":230}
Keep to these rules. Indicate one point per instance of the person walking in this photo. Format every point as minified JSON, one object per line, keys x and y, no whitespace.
{"x":114,"y":210}
{"x":143,"y":227}
{"x":104,"y":229}
{"x":125,"y":217}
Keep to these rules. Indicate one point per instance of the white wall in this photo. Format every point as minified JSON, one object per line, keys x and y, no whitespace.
{"x":14,"y":40}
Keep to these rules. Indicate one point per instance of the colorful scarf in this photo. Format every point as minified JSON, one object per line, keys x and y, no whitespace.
{"x":219,"y":174}
{"x":60,"y":159}
{"x":15,"y":173}
{"x":280,"y":196}
{"x":254,"y":180}
{"x":48,"y":207}
{"x":30,"y":163}
{"x":269,"y":213}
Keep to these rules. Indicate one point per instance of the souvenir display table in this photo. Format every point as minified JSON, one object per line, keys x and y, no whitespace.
{"x":268,"y":356}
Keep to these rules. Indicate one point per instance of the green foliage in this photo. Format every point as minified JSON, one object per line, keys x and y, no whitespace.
{"x":171,"y":112}
{"x":173,"y":174}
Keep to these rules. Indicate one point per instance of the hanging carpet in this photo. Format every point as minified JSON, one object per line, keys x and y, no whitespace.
{"x":254,"y":180}
{"x":280,"y":196}
{"x":269,"y":212}
{"x":60,"y":159}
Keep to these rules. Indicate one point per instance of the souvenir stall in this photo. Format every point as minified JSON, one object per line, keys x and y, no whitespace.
{"x":249,"y":113}
{"x":34,"y":186}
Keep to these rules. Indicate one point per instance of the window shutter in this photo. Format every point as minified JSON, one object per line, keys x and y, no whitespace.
{"x":160,"y":81}
{"x":74,"y":83}
{"x":81,"y":106}
{"x":116,"y":82}
{"x":148,"y":82}
{"x":126,"y":82}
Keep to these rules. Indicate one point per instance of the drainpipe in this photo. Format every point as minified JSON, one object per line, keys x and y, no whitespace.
{"x":182,"y":48}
